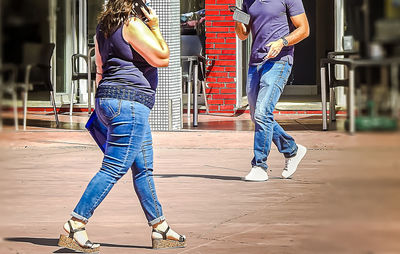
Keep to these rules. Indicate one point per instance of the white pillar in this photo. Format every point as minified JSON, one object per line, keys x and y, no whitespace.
{"x":82,"y":48}
{"x":53,"y":38}
{"x":339,"y":32}
{"x":239,"y":65}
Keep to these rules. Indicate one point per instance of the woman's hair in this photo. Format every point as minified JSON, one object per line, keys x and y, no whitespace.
{"x":115,"y":13}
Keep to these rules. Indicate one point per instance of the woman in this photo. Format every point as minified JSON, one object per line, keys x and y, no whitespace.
{"x":128,"y":50}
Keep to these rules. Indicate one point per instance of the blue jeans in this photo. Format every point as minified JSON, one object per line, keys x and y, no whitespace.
{"x":129,"y":145}
{"x":265,"y":85}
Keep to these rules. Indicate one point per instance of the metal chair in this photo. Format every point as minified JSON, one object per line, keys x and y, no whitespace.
{"x":330,"y":82}
{"x":76,"y":76}
{"x":36,"y":70}
{"x":8,"y":75}
{"x":193,"y":70}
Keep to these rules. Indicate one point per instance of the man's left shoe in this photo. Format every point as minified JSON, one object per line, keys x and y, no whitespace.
{"x":292,"y":162}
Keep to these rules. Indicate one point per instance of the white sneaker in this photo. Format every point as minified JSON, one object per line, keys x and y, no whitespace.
{"x":257,"y":174}
{"x":292,"y":163}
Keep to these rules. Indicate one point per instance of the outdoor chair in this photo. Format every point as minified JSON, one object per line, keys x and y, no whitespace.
{"x":191,"y":56}
{"x":36,"y":70}
{"x":77,"y":76}
{"x":8,"y":75}
{"x":330,"y":82}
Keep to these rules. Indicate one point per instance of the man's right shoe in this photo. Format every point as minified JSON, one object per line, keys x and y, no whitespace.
{"x":257,"y":174}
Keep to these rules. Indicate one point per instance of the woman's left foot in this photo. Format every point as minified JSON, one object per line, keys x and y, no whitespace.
{"x":164,"y":237}
{"x":77,"y":239}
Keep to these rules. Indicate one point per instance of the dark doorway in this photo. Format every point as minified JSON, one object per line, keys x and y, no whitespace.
{"x":320,"y":16}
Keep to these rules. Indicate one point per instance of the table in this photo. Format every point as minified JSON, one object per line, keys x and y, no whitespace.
{"x":353,"y":65}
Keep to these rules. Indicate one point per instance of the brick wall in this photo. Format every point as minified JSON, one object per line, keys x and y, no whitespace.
{"x":221,"y":47}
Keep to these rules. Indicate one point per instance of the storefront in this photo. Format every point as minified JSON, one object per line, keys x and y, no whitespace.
{"x":71,"y":26}
{"x":227,"y":79}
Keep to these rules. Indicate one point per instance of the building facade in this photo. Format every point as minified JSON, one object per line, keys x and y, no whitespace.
{"x":71,"y":24}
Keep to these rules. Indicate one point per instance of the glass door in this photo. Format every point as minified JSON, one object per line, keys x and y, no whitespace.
{"x":63,"y":34}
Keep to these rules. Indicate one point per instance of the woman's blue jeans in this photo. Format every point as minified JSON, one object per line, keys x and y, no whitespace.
{"x":129,"y":145}
{"x":265,"y":85}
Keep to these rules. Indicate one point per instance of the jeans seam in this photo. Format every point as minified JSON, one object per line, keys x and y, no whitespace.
{"x":265,"y":139}
{"x":132,"y":132}
{"x":280,"y":77}
{"x":148,"y":182}
{"x":152,"y":193}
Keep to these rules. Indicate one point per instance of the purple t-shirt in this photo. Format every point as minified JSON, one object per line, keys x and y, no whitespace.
{"x":270,"y":21}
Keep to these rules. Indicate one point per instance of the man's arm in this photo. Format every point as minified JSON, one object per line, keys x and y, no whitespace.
{"x":242,"y":30}
{"x":301,"y":32}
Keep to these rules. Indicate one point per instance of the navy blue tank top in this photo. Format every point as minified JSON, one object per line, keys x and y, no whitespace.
{"x":126,"y":74}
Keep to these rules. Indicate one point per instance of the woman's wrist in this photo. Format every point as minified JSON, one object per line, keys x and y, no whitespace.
{"x":152,"y":28}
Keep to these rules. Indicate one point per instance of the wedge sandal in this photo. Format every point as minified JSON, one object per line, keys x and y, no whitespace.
{"x":69,"y":241}
{"x":164,"y":242}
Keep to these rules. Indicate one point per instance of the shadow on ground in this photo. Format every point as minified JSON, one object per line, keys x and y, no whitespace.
{"x":54,"y":242}
{"x":39,"y":123}
{"x":213,"y":177}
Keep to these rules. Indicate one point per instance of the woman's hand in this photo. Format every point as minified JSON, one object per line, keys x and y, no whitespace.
{"x":275,"y":48}
{"x":152,"y":18}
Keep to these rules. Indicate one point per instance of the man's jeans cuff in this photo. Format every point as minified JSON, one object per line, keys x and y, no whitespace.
{"x":292,"y":154}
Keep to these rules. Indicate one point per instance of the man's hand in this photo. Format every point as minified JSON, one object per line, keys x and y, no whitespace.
{"x":275,"y":48}
{"x":242,"y":30}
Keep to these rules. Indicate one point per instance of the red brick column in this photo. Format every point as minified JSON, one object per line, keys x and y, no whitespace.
{"x":221,"y":47}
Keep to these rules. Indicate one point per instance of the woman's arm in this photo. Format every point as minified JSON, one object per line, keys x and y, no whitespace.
{"x":147,"y":39}
{"x":99,"y":64}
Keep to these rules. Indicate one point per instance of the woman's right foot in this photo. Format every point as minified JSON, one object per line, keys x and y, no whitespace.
{"x":77,"y":238}
{"x":164,"y":237}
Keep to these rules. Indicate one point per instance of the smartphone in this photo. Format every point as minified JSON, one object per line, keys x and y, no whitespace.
{"x":239,"y":15}
{"x":137,"y":5}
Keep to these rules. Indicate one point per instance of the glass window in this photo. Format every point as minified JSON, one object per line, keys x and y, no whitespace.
{"x":94,"y":9}
{"x":193,"y":18}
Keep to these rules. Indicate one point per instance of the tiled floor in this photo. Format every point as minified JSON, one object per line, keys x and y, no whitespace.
{"x":344,"y":198}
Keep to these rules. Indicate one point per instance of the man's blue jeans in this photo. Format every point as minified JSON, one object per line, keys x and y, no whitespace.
{"x":264,"y":87}
{"x":129,"y":145}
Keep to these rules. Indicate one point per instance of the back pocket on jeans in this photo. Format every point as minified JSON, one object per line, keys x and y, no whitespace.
{"x":110,"y":108}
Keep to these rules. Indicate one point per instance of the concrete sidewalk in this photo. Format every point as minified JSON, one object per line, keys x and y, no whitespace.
{"x":343,"y":199}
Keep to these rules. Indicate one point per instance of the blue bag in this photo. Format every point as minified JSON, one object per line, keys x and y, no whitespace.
{"x":98,"y":131}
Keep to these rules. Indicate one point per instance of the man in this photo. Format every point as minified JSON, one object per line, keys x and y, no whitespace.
{"x":276,"y":26}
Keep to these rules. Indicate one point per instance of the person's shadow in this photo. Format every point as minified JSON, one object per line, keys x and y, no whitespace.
{"x":214,"y":177}
{"x":54,"y":242}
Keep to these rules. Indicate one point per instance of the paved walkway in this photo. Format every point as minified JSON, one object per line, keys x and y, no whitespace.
{"x":343,"y":199}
